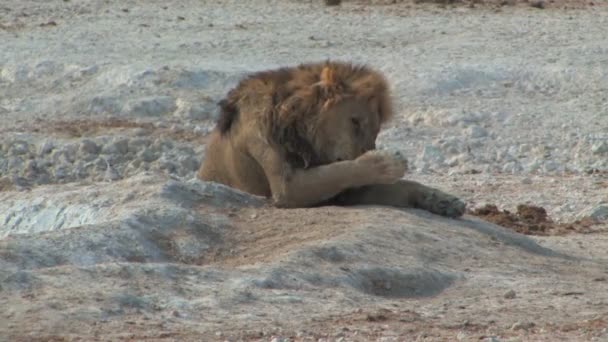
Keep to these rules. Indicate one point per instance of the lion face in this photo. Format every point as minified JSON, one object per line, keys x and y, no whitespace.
{"x":346,"y":130}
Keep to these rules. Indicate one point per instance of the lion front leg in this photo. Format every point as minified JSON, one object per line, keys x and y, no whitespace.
{"x":308,"y":187}
{"x":405,"y":194}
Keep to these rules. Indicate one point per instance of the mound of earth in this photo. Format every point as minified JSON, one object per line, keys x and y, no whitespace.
{"x":151,"y":257}
{"x":533,"y":220}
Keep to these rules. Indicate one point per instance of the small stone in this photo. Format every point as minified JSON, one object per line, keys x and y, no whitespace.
{"x":46,"y":148}
{"x":148,"y":155}
{"x":512,"y":167}
{"x":137,"y":144}
{"x":219,"y":334}
{"x":476,"y":132}
{"x":599,"y":148}
{"x":599,"y":212}
{"x":538,"y":4}
{"x":278,"y":339}
{"x":140,"y":131}
{"x":522,"y":326}
{"x":152,"y":106}
{"x":111,"y":174}
{"x":19,"y":148}
{"x":509,"y":294}
{"x":61,"y":172}
{"x":189,"y":163}
{"x":89,"y":146}
{"x":550,"y":166}
{"x":120,"y":146}
{"x":526,"y":181}
{"x":254,"y":216}
{"x":15,"y":163}
{"x":432,"y":154}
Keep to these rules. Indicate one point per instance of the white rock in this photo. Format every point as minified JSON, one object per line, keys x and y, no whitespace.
{"x":137,"y":144}
{"x":431,"y":153}
{"x":189,"y":163}
{"x":119,"y":146}
{"x":19,"y":147}
{"x":46,"y":147}
{"x":148,"y":155}
{"x":599,"y":212}
{"x":522,"y":326}
{"x":151,"y":106}
{"x":105,"y":105}
{"x":89,"y":146}
{"x":512,"y":167}
{"x":600,"y":147}
{"x":476,"y":131}
{"x":14,"y":73}
{"x":194,"y":111}
{"x":550,"y":166}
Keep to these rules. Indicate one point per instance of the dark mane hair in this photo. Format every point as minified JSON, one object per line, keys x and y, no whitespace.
{"x":297,"y":95}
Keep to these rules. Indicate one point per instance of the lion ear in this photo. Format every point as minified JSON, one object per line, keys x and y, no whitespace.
{"x":328,"y":77}
{"x":328,"y":86}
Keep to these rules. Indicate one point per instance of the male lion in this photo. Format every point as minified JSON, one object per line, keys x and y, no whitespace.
{"x":306,"y":136}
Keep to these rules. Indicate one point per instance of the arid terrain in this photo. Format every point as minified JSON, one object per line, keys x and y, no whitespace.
{"x":106,"y":235}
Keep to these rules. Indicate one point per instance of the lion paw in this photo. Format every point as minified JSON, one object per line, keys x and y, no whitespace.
{"x":443,"y":204}
{"x":382,"y":167}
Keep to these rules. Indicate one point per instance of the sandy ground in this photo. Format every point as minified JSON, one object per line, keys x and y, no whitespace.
{"x":105,"y":235}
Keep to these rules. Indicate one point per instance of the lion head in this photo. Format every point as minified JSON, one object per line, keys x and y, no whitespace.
{"x":317,"y":113}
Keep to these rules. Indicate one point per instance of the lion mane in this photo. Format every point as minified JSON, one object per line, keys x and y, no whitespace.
{"x":293,"y":98}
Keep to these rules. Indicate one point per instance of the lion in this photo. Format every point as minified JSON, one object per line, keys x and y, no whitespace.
{"x":305,"y":136}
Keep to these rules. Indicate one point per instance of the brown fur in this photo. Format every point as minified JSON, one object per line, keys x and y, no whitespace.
{"x":296,"y":95}
{"x":306,"y":134}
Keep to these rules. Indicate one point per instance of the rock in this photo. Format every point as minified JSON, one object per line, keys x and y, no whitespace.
{"x":19,"y":148}
{"x":512,"y":167}
{"x":137,"y":144}
{"x":600,"y":147}
{"x":14,"y":73}
{"x":15,"y":163}
{"x":195,"y":111}
{"x":550,"y":166}
{"x":151,"y":106}
{"x":431,"y":153}
{"x":476,"y":132}
{"x":509,"y":294}
{"x":46,"y":147}
{"x":140,"y":131}
{"x":538,"y":4}
{"x":148,"y":155}
{"x":599,"y":212}
{"x":31,"y":168}
{"x":88,"y":146}
{"x":111,"y":174}
{"x":532,"y":166}
{"x":104,"y":105}
{"x":119,"y":146}
{"x":522,"y":326}
{"x":189,"y":163}
{"x":62,"y":171}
